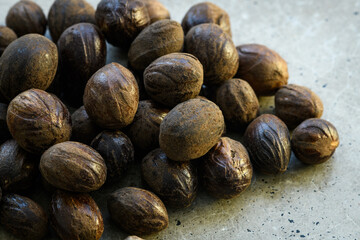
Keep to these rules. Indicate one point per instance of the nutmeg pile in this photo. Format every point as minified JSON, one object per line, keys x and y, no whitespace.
{"x":166,"y":111}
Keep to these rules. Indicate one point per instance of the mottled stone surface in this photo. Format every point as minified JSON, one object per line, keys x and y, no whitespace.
{"x":320,"y":42}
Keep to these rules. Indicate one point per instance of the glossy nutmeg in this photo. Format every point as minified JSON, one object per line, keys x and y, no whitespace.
{"x":75,"y":216}
{"x":158,"y":39}
{"x":34,"y":59}
{"x":26,"y":17}
{"x":65,"y":13}
{"x":174,"y":78}
{"x":226,"y":169}
{"x":294,"y":104}
{"x":121,"y":20}
{"x":117,"y":151}
{"x":23,"y":217}
{"x":238,"y":102}
{"x":137,"y":211}
{"x":267,"y":140}
{"x":73,"y":166}
{"x":5,"y":134}
{"x":157,"y":11}
{"x":82,"y":51}
{"x":37,"y":120}
{"x":7,"y":35}
{"x":176,"y":183}
{"x":264,"y":69}
{"x":206,"y":12}
{"x":191,"y":129}
{"x":314,"y":141}
{"x":215,"y":50}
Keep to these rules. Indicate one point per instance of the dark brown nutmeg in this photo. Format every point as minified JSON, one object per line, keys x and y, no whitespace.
{"x":226,"y":169}
{"x":267,"y":140}
{"x":264,"y":69}
{"x":206,"y":12}
{"x":5,"y":134}
{"x":76,"y":216}
{"x":18,"y":169}
{"x":65,"y":13}
{"x":133,"y":238}
{"x":158,"y":39}
{"x":26,"y":17}
{"x":121,"y":20}
{"x":238,"y":102}
{"x":82,"y":51}
{"x":144,"y":130}
{"x":176,"y":183}
{"x":73,"y":166}
{"x":117,"y":150}
{"x":34,"y":59}
{"x":294,"y":104}
{"x":111,"y":97}
{"x":157,"y":11}
{"x":37,"y":120}
{"x":23,"y":217}
{"x":191,"y":129}
{"x":314,"y":141}
{"x":83,"y":129}
{"x":174,"y":78}
{"x":215,"y":50}
{"x":7,"y":35}
{"x":137,"y":211}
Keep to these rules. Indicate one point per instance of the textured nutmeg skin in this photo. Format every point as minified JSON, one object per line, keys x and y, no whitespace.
{"x":121,"y":20}
{"x":264,"y":69}
{"x":111,"y":97}
{"x":5,"y":134}
{"x":117,"y":150}
{"x":65,"y":13}
{"x":215,"y":50}
{"x":226,"y":169}
{"x":37,"y":120}
{"x":157,"y":11}
{"x":18,"y":169}
{"x":267,"y":140}
{"x":133,"y":238}
{"x":7,"y":36}
{"x":238,"y":102}
{"x":26,"y":17}
{"x":294,"y":104}
{"x":75,"y":216}
{"x":176,"y":183}
{"x":206,"y":12}
{"x":82,"y":51}
{"x":158,"y":39}
{"x":23,"y":217}
{"x":34,"y":59}
{"x":191,"y":129}
{"x":73,"y":166}
{"x":314,"y":141}
{"x":174,"y":78}
{"x":137,"y":211}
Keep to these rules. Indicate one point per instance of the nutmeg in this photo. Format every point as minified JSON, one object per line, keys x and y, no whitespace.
{"x":157,"y":11}
{"x":7,"y":35}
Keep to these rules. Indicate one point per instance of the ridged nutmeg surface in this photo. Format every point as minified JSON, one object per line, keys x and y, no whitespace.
{"x":7,"y":35}
{"x":267,"y":140}
{"x":191,"y":129}
{"x":73,"y":166}
{"x":157,"y":11}
{"x":37,"y":120}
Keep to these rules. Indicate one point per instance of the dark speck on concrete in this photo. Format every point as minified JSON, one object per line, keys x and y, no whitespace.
{"x":248,"y":230}
{"x":317,"y":223}
{"x":291,"y":221}
{"x":297,"y":231}
{"x":282,"y":214}
{"x":324,"y":86}
{"x":356,"y":13}
{"x":302,"y":236}
{"x":178,"y":223}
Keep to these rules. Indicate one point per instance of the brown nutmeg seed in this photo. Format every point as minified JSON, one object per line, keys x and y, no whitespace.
{"x":7,"y":36}
{"x":157,"y":11}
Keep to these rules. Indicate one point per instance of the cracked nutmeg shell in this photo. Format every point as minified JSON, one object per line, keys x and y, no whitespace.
{"x":23,"y":217}
{"x":314,"y":141}
{"x":75,"y":216}
{"x":174,"y":78}
{"x":158,"y":39}
{"x":226,"y":169}
{"x":267,"y":140}
{"x":111,"y":97}
{"x":137,"y":211}
{"x":191,"y":129}
{"x":34,"y":59}
{"x":215,"y":50}
{"x":157,"y":11}
{"x":7,"y":36}
{"x":37,"y":120}
{"x":175,"y":183}
{"x":73,"y":166}
{"x":294,"y":104}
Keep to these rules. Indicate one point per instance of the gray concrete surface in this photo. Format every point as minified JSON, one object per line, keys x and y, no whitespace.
{"x":320,"y":40}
